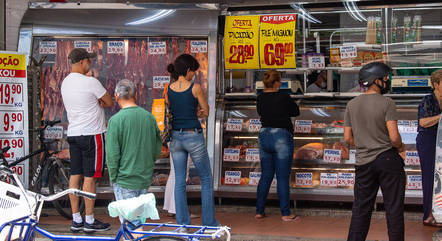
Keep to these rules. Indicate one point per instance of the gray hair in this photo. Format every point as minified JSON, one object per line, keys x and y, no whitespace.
{"x":125,"y":89}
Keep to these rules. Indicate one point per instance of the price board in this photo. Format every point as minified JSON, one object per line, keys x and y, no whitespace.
{"x":231,"y":155}
{"x":254,"y":125}
{"x":232,"y":177}
{"x":348,"y":51}
{"x":304,"y":179}
{"x":18,"y":169}
{"x":412,"y":158}
{"x":303,"y":126}
{"x":199,"y":46}
{"x":329,"y":180}
{"x":53,"y":132}
{"x":316,"y":61}
{"x":254,"y":178}
{"x":277,"y":41}
{"x":160,"y":81}
{"x":84,"y":45}
{"x":241,"y":36}
{"x":414,"y":182}
{"x":407,"y":126}
{"x":14,"y":106}
{"x":47,"y":47}
{"x":115,"y":47}
{"x":234,"y":124}
{"x":252,"y":155}
{"x":156,"y":48}
{"x":346,"y":179}
{"x":332,"y":156}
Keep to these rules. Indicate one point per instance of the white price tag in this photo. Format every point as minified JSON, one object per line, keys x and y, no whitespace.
{"x":332,"y":156}
{"x":412,"y":158}
{"x":231,"y":155}
{"x":303,"y":126}
{"x":407,"y":126}
{"x":352,"y":157}
{"x":254,"y":178}
{"x":414,"y":182}
{"x":234,"y":124}
{"x":54,"y":132}
{"x":160,"y":81}
{"x":198,"y":47}
{"x":157,"y":48}
{"x":346,"y":179}
{"x":348,"y":52}
{"x":47,"y":47}
{"x":18,"y":169}
{"x":84,"y":45}
{"x":12,"y":123}
{"x":115,"y":47}
{"x":254,"y":125}
{"x":329,"y":180}
{"x":304,"y":179}
{"x":252,"y":155}
{"x":232,"y":177}
{"x":11,"y":94}
{"x":316,"y":61}
{"x":17,"y":147}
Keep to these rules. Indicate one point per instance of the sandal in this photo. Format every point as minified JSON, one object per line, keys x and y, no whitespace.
{"x":432,"y":223}
{"x":259,"y":216}
{"x":290,"y":218}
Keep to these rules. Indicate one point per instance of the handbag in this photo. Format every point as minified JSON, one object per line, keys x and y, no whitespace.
{"x":166,"y":135}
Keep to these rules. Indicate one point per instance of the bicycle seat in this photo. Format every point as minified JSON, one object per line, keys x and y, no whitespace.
{"x":141,"y":207}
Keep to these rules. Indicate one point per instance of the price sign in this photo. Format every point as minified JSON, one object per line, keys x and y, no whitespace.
{"x":252,"y":155}
{"x":329,"y":180}
{"x":332,"y":156}
{"x":16,"y":144}
{"x":346,"y":179}
{"x":304,"y":179}
{"x":156,"y":48}
{"x":241,"y":42}
{"x":198,"y":47}
{"x":316,"y":61}
{"x":47,"y":47}
{"x":254,"y":125}
{"x":254,"y":178}
{"x":160,"y":81}
{"x":19,"y":170}
{"x":414,"y":182}
{"x":352,"y":157}
{"x":11,"y":94}
{"x":407,"y":126}
{"x":232,"y":177}
{"x":231,"y":155}
{"x":115,"y":47}
{"x":348,"y":52}
{"x":277,"y":41}
{"x":303,"y":126}
{"x":234,"y":124}
{"x":53,"y":132}
{"x":412,"y":158}
{"x":13,"y":123}
{"x":84,"y":45}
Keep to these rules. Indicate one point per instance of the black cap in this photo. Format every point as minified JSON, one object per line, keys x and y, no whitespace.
{"x":78,"y":54}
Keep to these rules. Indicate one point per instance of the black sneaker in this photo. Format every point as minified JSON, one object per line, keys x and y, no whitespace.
{"x":76,"y":227}
{"x":97,"y":226}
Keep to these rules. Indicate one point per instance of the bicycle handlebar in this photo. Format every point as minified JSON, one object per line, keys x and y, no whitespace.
{"x":70,"y":191}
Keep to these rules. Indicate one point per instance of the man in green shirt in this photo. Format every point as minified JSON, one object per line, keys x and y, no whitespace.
{"x":133,"y":143}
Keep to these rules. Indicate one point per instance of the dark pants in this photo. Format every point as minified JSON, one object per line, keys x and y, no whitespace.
{"x":426,"y":147}
{"x":387,"y":172}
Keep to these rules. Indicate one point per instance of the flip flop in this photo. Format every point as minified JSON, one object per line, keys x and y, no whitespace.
{"x":259,"y":216}
{"x":290,"y":218}
{"x":432,"y":223}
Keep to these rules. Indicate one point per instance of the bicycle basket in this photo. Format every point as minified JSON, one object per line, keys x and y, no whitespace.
{"x":13,"y":206}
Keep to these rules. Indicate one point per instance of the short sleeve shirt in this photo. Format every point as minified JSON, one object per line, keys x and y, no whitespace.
{"x":367,"y":115}
{"x":427,"y":108}
{"x":80,"y":95}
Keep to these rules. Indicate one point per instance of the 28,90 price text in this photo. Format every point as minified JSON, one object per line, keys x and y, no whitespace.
{"x":241,"y":53}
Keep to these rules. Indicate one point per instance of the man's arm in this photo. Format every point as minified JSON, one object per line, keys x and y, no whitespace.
{"x":113,"y":154}
{"x":348,"y":136}
{"x":394,"y":135}
{"x":106,"y":100}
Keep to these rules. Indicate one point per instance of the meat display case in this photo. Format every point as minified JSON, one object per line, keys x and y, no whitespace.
{"x":323,"y":165}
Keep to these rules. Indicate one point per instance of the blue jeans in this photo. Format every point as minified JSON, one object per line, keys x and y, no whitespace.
{"x":276,"y":153}
{"x":184,"y":143}
{"x":122,"y":193}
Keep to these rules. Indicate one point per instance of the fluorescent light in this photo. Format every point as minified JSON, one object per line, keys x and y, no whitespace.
{"x":358,"y":12}
{"x":210,"y":6}
{"x":160,"y":14}
{"x":304,"y":13}
{"x":350,"y":11}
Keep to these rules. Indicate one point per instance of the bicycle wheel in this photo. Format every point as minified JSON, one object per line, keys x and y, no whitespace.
{"x":164,"y":238}
{"x":59,"y":181}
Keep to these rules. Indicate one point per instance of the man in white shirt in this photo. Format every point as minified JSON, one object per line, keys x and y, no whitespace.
{"x":85,"y":98}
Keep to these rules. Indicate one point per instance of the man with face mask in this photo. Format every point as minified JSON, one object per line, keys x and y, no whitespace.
{"x":317,"y":82}
{"x":370,"y":124}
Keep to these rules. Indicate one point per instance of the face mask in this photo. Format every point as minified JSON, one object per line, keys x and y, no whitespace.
{"x":385,"y":87}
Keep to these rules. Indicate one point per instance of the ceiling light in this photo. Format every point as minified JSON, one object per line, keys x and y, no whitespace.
{"x":158,"y":15}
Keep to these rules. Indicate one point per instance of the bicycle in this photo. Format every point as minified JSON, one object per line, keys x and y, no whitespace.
{"x":20,"y":211}
{"x":55,"y":168}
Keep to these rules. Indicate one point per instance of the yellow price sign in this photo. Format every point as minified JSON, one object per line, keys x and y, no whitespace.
{"x":277,"y":41}
{"x":241,"y":35}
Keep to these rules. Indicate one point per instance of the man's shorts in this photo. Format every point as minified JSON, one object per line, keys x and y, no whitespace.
{"x":87,"y":155}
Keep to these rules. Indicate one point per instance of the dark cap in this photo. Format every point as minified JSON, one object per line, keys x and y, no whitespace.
{"x":78,"y":54}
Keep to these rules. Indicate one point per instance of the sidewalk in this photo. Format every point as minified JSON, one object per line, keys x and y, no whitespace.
{"x":313,"y":225}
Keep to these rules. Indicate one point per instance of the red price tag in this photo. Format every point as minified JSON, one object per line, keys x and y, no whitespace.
{"x":304,"y":179}
{"x":13,"y":123}
{"x":412,"y":158}
{"x":232,"y":177}
{"x":234,"y":125}
{"x":346,"y":179}
{"x":332,"y":156}
{"x":329,"y":180}
{"x":239,"y":54}
{"x":11,"y":94}
{"x":19,"y":170}
{"x":254,"y":125}
{"x":231,"y":155}
{"x":414,"y":182}
{"x":252,"y":155}
{"x":276,"y":53}
{"x":16,"y":151}
{"x":303,"y":126}
{"x":254,"y":178}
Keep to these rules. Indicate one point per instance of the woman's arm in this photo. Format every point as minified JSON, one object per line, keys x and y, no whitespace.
{"x":429,"y":121}
{"x":198,"y":92}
